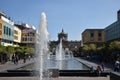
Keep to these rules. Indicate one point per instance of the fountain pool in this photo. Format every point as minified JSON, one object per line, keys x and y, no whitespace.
{"x":70,"y":64}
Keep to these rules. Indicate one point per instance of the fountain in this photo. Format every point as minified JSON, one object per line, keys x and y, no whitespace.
{"x":42,"y":50}
{"x":44,"y":62}
{"x":60,"y":54}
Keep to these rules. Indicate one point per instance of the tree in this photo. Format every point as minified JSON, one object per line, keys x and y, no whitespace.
{"x":114,"y":45}
{"x":85,"y":49}
{"x":10,"y":49}
{"x":30,"y":50}
{"x":92,"y":47}
{"x":3,"y":54}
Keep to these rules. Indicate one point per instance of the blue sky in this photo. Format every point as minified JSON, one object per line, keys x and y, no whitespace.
{"x":74,"y":16}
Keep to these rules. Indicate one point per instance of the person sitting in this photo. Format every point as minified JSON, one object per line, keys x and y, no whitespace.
{"x":117,"y":63}
{"x":98,"y":70}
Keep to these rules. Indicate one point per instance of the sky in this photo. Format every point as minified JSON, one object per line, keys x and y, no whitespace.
{"x":74,"y":16}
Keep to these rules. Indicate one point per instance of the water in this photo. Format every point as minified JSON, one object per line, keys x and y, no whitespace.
{"x":60,"y":54}
{"x":67,"y":64}
{"x":42,"y":50}
{"x":45,"y":61}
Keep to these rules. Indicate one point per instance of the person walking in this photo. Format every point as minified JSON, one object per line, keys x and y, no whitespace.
{"x":102,"y":65}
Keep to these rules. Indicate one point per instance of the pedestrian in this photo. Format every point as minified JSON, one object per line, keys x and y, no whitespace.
{"x":16,"y":58}
{"x":13,"y":58}
{"x":117,"y":67}
{"x":102,"y":65}
{"x":24,"y":59}
{"x":29,"y":57}
{"x":98,"y":70}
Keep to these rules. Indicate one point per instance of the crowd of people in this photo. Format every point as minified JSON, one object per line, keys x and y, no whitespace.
{"x":16,"y":58}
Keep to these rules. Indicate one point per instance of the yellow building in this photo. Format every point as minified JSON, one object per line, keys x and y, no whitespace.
{"x":17,"y":35}
{"x":95,"y":36}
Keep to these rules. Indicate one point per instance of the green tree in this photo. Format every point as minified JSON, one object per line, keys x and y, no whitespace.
{"x":92,"y":49}
{"x":85,"y":50}
{"x":10,"y":49}
{"x":30,"y":50}
{"x":114,"y":45}
{"x":3,"y":54}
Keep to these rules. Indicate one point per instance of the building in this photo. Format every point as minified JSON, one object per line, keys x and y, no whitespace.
{"x":71,"y":45}
{"x":17,"y":35}
{"x":27,"y":35}
{"x":93,"y":36}
{"x":112,"y":32}
{"x":63,"y":36}
{"x":6,"y":30}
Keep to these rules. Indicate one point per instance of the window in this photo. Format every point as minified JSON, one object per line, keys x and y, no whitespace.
{"x":16,"y":37}
{"x":0,"y":26}
{"x":7,"y":30}
{"x":25,"y":39}
{"x":15,"y":32}
{"x":22,"y":39}
{"x":0,"y":32}
{"x":99,"y":36}
{"x":4,"y":29}
{"x":91,"y":36}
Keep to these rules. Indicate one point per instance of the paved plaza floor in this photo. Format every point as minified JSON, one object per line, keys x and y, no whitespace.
{"x":11,"y":66}
{"x":92,"y":64}
{"x":60,"y":78}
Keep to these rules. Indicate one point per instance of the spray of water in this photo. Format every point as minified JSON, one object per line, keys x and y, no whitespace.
{"x":42,"y":51}
{"x":60,"y":54}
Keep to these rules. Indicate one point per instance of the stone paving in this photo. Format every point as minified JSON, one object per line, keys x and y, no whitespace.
{"x":91,"y":64}
{"x":11,"y":66}
{"x":60,"y":78}
{"x":82,"y":78}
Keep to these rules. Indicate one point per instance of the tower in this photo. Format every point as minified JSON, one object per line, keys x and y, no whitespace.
{"x":63,"y":36}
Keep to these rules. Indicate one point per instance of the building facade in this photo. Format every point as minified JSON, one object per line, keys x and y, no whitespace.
{"x":6,"y":30}
{"x":17,"y":35}
{"x":27,"y":35}
{"x":112,"y":32}
{"x":70,"y":45}
{"x":95,"y":36}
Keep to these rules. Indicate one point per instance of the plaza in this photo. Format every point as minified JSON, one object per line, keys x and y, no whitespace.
{"x":74,"y":40}
{"x":14,"y":67}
